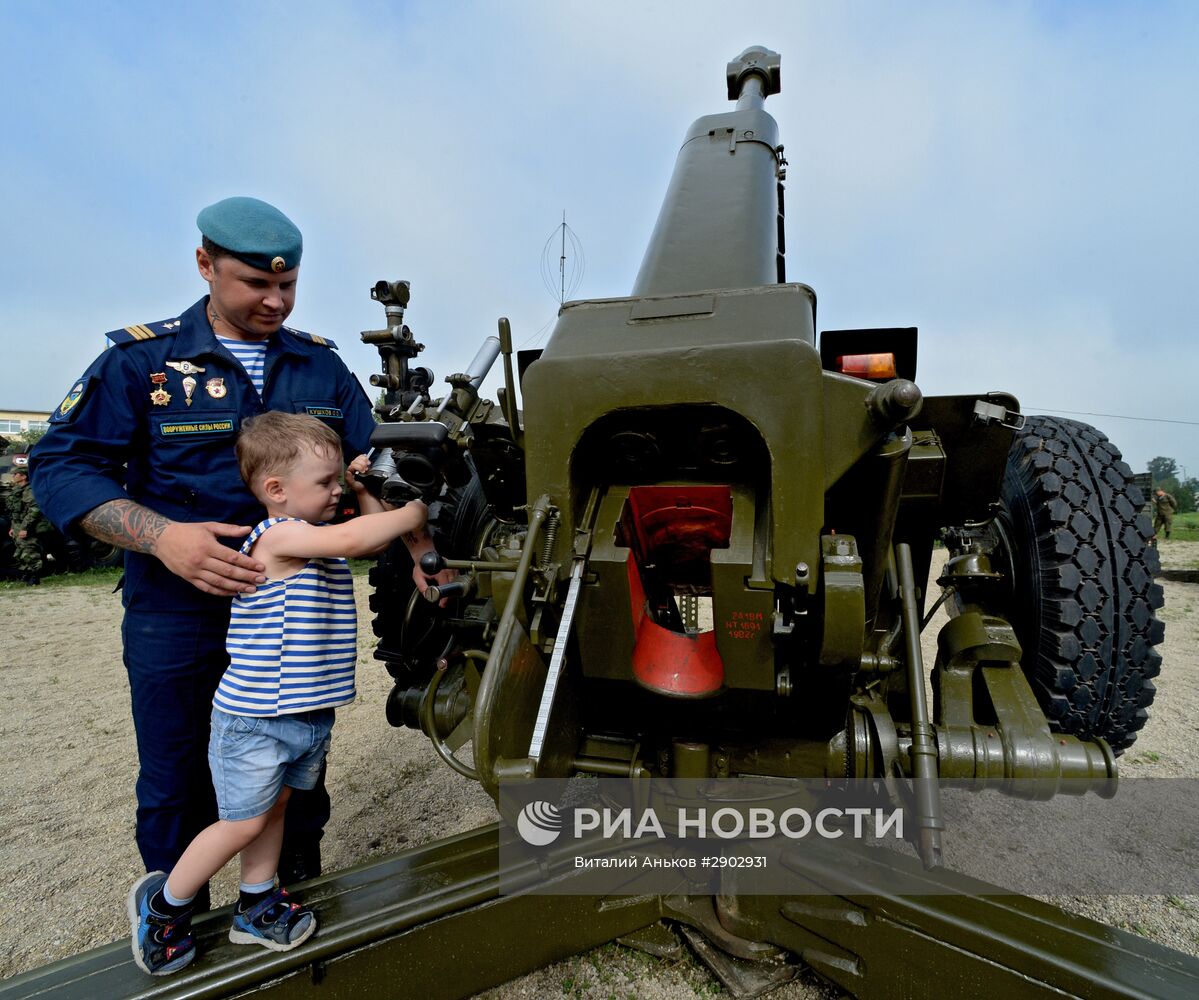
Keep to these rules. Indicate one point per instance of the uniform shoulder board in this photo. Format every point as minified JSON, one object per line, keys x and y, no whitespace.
{"x":322,"y":341}
{"x":142,"y":331}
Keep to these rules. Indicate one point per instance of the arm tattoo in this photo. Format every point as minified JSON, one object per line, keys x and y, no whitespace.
{"x":417,"y":536}
{"x":125,"y":523}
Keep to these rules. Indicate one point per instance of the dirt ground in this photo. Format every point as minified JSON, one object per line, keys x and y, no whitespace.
{"x":67,"y":855}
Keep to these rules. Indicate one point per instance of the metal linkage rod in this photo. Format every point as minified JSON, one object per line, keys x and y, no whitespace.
{"x":924,"y":742}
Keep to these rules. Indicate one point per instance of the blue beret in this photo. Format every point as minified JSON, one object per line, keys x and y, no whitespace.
{"x":254,"y":232}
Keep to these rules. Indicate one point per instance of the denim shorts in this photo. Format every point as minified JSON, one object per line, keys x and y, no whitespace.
{"x":253,"y":758}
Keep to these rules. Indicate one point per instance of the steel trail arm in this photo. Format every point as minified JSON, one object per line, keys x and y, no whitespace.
{"x":431,"y":922}
{"x":947,"y":935}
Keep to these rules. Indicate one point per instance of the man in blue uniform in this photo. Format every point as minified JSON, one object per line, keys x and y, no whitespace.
{"x":140,"y":453}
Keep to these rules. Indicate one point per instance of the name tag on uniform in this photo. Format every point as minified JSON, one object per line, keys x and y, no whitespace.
{"x":195,"y":427}
{"x":324,"y":411}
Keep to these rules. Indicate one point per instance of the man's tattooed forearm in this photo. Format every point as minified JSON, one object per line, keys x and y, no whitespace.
{"x":127,"y":524}
{"x":417,"y":536}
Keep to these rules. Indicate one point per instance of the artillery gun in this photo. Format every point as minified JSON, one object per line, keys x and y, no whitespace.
{"x":695,"y":453}
{"x":698,"y":548}
{"x":696,"y":552}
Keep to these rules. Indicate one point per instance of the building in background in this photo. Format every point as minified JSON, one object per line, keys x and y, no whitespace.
{"x":14,"y":423}
{"x":18,"y":421}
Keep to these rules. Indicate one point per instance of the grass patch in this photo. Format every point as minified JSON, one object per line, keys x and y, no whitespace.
{"x":1186,"y":527}
{"x":107,"y":576}
{"x":110,"y":575}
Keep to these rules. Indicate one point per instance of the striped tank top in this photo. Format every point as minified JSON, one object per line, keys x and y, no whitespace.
{"x":293,"y":642}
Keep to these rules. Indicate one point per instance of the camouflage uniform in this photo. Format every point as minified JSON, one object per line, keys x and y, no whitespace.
{"x":1164,"y":506}
{"x":25,"y":515}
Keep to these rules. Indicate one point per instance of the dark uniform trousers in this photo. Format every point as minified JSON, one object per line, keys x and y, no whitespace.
{"x":155,"y":419}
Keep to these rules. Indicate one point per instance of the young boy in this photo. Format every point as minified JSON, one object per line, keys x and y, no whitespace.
{"x":292,"y":647}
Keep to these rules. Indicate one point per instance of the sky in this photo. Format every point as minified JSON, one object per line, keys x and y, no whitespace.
{"x":1017,"y":180}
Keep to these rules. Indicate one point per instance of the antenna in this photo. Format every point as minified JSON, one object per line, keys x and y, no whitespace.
{"x":562,"y":267}
{"x":562,"y":272}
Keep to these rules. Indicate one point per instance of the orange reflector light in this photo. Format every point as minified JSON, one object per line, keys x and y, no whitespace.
{"x":878,"y":367}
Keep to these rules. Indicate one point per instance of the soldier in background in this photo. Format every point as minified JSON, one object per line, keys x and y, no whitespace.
{"x":1164,"y":506}
{"x":27,"y":527}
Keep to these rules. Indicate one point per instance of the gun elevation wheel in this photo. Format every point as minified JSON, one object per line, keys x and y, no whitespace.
{"x":412,"y":632}
{"x":1082,"y":579}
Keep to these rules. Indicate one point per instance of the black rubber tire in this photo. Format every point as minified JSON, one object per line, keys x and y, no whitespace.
{"x":1083,"y":591}
{"x":456,"y":522}
{"x":78,"y":555}
{"x":6,"y":549}
{"x":105,"y":555}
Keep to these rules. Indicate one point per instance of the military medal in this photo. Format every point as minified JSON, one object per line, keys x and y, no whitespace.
{"x":185,"y":367}
{"x":189,"y":386}
{"x":159,"y":397}
{"x":215,"y":387}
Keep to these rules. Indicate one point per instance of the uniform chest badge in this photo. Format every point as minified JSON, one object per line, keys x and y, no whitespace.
{"x":215,"y":387}
{"x":185,"y":367}
{"x":159,"y":397}
{"x":189,"y":386}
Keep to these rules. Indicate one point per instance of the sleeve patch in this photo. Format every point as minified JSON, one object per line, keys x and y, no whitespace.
{"x":70,"y":405}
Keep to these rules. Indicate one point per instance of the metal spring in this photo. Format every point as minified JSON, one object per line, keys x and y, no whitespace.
{"x":551,"y":534}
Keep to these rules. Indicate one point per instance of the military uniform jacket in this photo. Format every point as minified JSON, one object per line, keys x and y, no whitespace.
{"x":23,"y":512}
{"x":154,"y":419}
{"x":1165,"y":504}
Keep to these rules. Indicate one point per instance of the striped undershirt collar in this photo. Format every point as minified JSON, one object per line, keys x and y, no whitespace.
{"x":252,"y":356}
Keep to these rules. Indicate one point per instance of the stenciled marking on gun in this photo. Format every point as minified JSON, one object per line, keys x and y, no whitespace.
{"x":744,"y":624}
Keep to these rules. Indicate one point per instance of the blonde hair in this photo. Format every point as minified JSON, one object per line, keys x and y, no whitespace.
{"x":271,"y":443}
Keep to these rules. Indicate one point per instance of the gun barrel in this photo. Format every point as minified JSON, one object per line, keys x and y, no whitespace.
{"x":483,"y":361}
{"x":721,"y":220}
{"x":753,"y":93}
